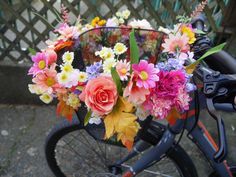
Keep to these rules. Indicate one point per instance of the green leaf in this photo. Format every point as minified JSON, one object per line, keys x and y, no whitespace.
{"x":190,"y":68}
{"x":44,"y":19}
{"x":199,"y":31}
{"x":116,"y":79}
{"x":87,"y":117}
{"x":212,"y":51}
{"x":134,"y":49}
{"x":59,"y":19}
{"x":32,"y":51}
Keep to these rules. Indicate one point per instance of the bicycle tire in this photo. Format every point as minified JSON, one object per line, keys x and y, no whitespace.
{"x":180,"y":158}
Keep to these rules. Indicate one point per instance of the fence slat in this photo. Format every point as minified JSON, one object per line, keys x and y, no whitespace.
{"x":153,"y":13}
{"x":30,"y":26}
{"x":30,"y":33}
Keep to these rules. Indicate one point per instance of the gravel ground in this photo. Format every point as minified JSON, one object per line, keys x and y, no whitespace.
{"x":23,"y":130}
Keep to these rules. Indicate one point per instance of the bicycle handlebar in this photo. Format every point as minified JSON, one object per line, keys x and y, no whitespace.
{"x":198,"y":22}
{"x":214,"y":81}
{"x":220,"y":61}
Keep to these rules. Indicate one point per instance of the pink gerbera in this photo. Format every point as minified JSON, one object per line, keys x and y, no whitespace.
{"x":176,"y":43}
{"x":122,"y":68}
{"x":47,"y":80}
{"x":146,"y":74}
{"x":40,"y":63}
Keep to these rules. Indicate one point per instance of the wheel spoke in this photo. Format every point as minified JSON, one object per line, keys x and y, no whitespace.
{"x":78,"y":153}
{"x":91,"y":146}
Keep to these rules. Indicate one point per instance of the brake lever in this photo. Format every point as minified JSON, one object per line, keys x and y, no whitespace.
{"x":211,"y":81}
{"x":221,"y":153}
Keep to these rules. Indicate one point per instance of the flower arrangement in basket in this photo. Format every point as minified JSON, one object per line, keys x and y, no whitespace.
{"x":120,"y":70}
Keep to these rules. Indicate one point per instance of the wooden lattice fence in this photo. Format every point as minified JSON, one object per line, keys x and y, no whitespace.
{"x":20,"y":28}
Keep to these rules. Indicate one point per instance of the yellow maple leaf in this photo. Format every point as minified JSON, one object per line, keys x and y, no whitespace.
{"x":126,"y":133}
{"x":122,"y":121}
{"x":190,"y":68}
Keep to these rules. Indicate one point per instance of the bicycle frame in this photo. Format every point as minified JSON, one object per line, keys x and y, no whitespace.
{"x":199,"y":135}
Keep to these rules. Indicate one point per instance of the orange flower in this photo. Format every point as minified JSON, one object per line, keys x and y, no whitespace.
{"x":98,"y":22}
{"x":100,"y":95}
{"x":62,"y":45}
{"x":101,"y":22}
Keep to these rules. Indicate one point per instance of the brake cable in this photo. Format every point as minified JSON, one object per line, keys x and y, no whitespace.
{"x":197,"y":110}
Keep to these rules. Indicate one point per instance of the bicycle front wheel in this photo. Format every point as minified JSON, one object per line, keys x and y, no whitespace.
{"x":72,"y":152}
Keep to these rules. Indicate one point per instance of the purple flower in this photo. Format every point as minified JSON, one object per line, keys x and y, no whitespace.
{"x":163,"y":66}
{"x":190,"y":87}
{"x":94,"y":70}
{"x":174,"y":64}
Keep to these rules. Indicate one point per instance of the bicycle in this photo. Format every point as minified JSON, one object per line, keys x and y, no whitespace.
{"x":155,"y":143}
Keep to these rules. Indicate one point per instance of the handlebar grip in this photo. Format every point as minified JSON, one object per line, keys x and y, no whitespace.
{"x":223,"y":62}
{"x":199,"y":22}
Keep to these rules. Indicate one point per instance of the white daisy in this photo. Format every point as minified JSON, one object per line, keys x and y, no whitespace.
{"x":143,"y":24}
{"x":46,"y":98}
{"x":82,"y":76}
{"x":67,"y":67}
{"x":68,"y":57}
{"x":63,"y":78}
{"x":33,"y":88}
{"x":105,"y":53}
{"x":119,"y":48}
{"x":125,"y":14}
{"x":108,"y":64}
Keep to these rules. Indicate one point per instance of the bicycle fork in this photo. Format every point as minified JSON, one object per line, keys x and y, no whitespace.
{"x":156,"y":153}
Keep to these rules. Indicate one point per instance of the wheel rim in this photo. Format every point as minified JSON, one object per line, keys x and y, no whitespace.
{"x":78,"y":154}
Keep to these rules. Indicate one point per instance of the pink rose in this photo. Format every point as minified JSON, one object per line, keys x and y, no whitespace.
{"x":100,"y":95}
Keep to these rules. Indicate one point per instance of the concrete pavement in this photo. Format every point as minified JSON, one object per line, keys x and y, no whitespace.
{"x":23,"y":130}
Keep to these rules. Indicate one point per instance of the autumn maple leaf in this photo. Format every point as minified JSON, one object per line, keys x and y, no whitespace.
{"x":173,"y":116}
{"x":122,"y":121}
{"x":65,"y":110}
